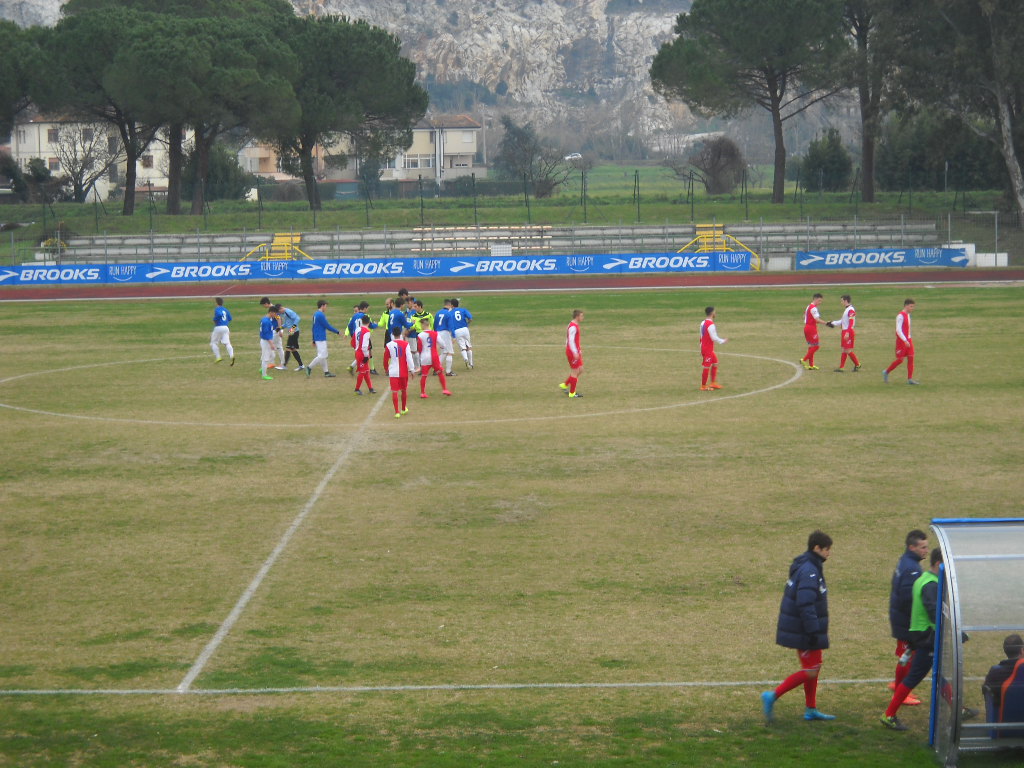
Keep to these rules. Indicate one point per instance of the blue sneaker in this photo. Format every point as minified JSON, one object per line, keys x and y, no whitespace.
{"x":813,"y":714}
{"x":767,"y":703}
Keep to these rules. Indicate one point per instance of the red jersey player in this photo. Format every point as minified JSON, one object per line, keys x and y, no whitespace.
{"x":811,"y":320}
{"x":430,"y":359}
{"x":849,"y":335}
{"x":904,"y":344}
{"x":398,"y":362}
{"x":363,"y":346}
{"x":708,"y":338}
{"x":574,"y":354}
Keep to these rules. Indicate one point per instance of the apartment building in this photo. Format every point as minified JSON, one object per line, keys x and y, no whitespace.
{"x":58,"y":140}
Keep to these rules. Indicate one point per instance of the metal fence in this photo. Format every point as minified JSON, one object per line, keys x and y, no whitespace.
{"x":989,"y":231}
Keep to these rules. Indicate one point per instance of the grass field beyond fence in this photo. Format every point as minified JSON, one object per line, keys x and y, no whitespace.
{"x":504,"y":577}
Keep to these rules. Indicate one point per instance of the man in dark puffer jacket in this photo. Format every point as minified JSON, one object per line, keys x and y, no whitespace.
{"x":803,"y":625}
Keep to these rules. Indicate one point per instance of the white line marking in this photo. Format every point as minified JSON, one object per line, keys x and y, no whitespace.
{"x":243,"y":601}
{"x":426,"y":688}
{"x":447,"y":422}
{"x":713,"y":398}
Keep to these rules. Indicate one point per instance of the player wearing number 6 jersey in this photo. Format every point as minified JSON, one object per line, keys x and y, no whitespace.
{"x":904,"y":344}
{"x":459,"y":320}
{"x":708,"y":338}
{"x":848,"y":333}
{"x":573,"y":353}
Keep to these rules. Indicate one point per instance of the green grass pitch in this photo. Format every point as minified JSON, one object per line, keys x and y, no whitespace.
{"x":504,"y":577}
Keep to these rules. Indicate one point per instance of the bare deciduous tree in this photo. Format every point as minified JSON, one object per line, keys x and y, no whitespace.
{"x":86,"y":153}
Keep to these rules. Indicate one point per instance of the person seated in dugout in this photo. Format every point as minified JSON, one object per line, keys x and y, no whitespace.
{"x":1004,"y":689}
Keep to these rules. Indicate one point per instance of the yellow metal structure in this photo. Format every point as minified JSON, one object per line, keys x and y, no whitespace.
{"x":712,"y":238}
{"x":283,"y":247}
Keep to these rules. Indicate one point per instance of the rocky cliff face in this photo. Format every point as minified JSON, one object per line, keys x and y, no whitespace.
{"x":579,"y":65}
{"x":554,"y":61}
{"x":30,"y":13}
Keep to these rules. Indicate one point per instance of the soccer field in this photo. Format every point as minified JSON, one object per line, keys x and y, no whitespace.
{"x":204,"y":568}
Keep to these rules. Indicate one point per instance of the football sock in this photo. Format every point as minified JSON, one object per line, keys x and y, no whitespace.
{"x":704,"y":377}
{"x":811,"y":693}
{"x":895,"y":364}
{"x":901,"y":672}
{"x":714,"y":373}
{"x":898,"y":696}
{"x":470,"y":355}
{"x":842,"y":360}
{"x":394,"y":399}
{"x":423,"y":382}
{"x":854,"y":358}
{"x":910,"y":367}
{"x":791,"y":682}
{"x":572,"y":384}
{"x":231,"y":350}
{"x":405,"y":399}
{"x":295,"y":354}
{"x":810,"y":354}
{"x":443,"y":378}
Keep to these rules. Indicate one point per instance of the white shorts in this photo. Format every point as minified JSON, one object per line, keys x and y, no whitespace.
{"x":221,"y":335}
{"x":462,"y":336}
{"x":444,"y":342}
{"x":266,"y":351}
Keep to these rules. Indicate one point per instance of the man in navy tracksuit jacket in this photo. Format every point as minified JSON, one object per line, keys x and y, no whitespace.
{"x":901,"y":598}
{"x":803,"y":625}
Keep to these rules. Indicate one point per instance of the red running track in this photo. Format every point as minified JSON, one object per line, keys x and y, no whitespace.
{"x":455,"y":285}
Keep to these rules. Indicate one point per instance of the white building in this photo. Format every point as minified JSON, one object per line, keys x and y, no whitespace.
{"x":50,"y":138}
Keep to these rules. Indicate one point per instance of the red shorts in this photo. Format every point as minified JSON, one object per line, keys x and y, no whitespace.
{"x":847,"y":340}
{"x":574,"y":362}
{"x":398,"y":383}
{"x":811,"y":334}
{"x":810,"y":659}
{"x":710,"y":359}
{"x":904,"y":350}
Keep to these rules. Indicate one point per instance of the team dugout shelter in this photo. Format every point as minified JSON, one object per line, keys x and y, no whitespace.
{"x":981,"y":603}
